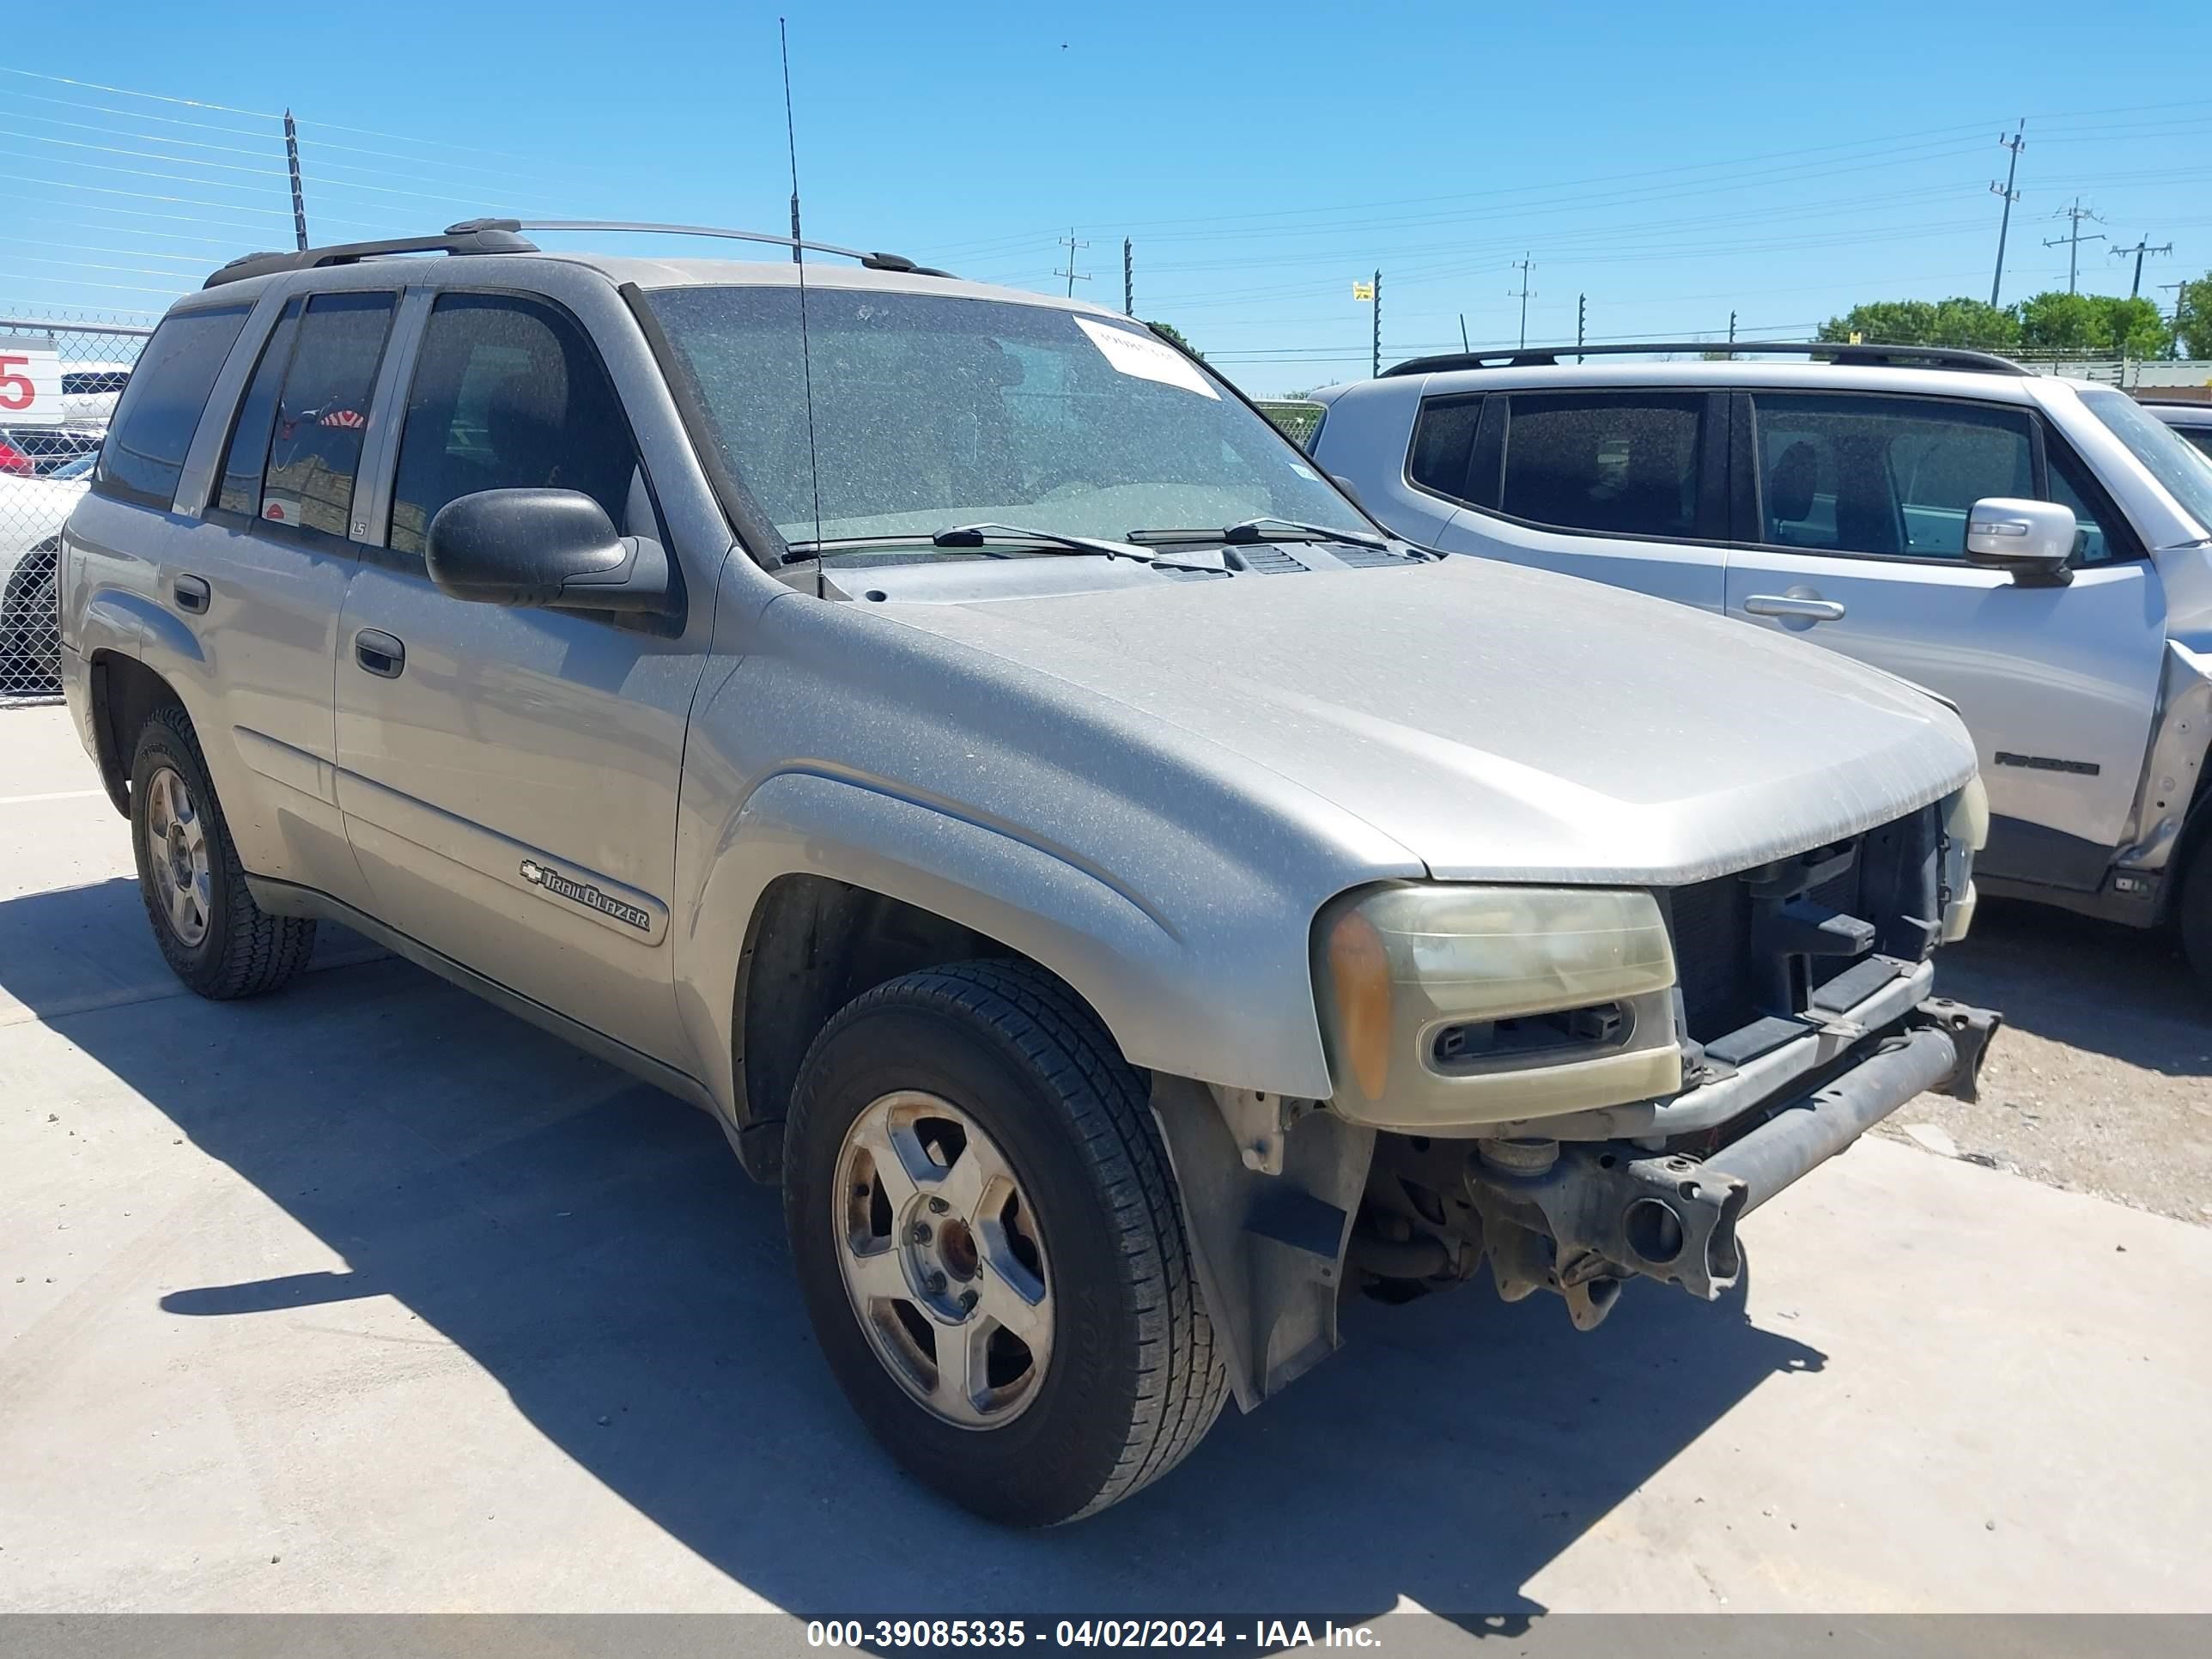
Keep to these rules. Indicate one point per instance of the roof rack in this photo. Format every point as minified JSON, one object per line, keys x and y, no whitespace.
{"x":897,"y":262}
{"x":1872,"y":357}
{"x":503,"y":236}
{"x":470,"y":236}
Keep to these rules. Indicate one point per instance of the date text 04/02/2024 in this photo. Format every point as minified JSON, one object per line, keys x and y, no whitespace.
{"x":1262,"y":1635}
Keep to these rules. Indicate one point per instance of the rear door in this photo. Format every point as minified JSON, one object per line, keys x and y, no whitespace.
{"x":261,"y":577}
{"x":1852,"y":510}
{"x":509,"y":776}
{"x":1626,"y":486}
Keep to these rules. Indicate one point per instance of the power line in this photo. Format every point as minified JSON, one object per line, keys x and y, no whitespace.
{"x":2073,"y":240}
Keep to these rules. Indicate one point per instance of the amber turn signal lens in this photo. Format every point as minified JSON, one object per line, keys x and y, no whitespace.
{"x":1359,"y":975}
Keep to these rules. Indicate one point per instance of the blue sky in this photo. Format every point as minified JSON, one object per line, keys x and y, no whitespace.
{"x":1672,"y":162}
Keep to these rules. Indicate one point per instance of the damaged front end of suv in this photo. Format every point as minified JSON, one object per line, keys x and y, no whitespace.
{"x":1582,"y":1086}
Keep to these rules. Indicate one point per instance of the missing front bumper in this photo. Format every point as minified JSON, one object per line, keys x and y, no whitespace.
{"x":1583,"y":1219}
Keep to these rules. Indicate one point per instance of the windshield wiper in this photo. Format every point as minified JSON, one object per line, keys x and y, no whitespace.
{"x":981,"y":537}
{"x":1248,"y":530}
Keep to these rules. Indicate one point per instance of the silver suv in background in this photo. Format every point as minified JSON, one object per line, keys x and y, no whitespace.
{"x":2037,"y":550}
{"x":944,"y":732}
{"x":2193,"y":421}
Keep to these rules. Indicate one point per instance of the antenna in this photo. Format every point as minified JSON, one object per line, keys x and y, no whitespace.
{"x":798,"y":258}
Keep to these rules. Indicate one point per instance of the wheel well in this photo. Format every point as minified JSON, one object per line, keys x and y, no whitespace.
{"x":124,"y":691}
{"x":813,"y":946}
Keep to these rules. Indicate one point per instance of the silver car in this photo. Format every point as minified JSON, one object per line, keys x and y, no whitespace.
{"x":2037,"y":550}
{"x":1124,"y":898}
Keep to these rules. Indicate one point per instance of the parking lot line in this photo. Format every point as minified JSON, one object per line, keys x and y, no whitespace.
{"x":51,"y":794}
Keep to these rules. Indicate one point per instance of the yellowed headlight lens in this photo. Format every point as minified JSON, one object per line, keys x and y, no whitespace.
{"x":1359,"y":979}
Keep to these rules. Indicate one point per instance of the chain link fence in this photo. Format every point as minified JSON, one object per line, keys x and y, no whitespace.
{"x":1295,"y":418}
{"x":60,"y":373}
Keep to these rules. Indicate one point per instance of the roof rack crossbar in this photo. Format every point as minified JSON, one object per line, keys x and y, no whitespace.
{"x":897,"y":262}
{"x":1867,"y":354}
{"x":504,"y":236}
{"x":470,"y":236}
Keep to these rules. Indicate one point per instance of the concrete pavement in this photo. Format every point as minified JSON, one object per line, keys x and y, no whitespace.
{"x":368,"y":1297}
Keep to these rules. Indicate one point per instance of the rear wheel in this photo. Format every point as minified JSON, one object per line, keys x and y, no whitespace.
{"x":986,"y":1232}
{"x":213,"y":935}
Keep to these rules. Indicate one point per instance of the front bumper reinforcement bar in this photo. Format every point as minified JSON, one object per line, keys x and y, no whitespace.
{"x":1583,"y":1218}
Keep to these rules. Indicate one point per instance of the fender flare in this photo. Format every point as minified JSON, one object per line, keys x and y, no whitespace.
{"x":1132,"y":964}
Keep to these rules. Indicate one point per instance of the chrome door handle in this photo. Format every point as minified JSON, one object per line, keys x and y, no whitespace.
{"x":379,"y":654}
{"x":1789,"y":604}
{"x":192,"y":593}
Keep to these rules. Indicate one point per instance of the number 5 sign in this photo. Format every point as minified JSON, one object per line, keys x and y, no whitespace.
{"x":30,"y":381}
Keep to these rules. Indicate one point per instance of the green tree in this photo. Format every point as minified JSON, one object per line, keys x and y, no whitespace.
{"x":1954,"y":322}
{"x":2196,"y":307}
{"x":1173,"y":335}
{"x":2095,"y":324}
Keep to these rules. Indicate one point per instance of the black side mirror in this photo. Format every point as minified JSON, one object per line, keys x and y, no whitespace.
{"x":542,"y":547}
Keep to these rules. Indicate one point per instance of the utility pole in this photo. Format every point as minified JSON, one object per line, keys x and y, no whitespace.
{"x":2073,"y":239}
{"x":1582,"y":316}
{"x":291,"y":167}
{"x":1463,"y":345}
{"x":1375,"y":360}
{"x":2135,"y":289}
{"x":2180,"y":294}
{"x":1524,"y":265}
{"x":1073,"y":275}
{"x":1128,"y":278}
{"x":2015,"y":144}
{"x":1731,"y":328}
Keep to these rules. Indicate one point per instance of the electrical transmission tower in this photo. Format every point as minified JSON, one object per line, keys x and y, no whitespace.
{"x":2071,"y":240}
{"x":1128,"y":278}
{"x":1524,"y":265}
{"x":2015,"y":144}
{"x":2142,"y":248}
{"x":1073,"y":275}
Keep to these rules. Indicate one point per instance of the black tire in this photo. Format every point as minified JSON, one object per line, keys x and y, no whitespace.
{"x":245,"y":953}
{"x":30,"y":627}
{"x":2195,"y":911}
{"x":1133,"y":1382}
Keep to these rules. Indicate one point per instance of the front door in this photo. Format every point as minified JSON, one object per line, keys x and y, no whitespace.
{"x":1857,"y":521}
{"x":508,"y":777}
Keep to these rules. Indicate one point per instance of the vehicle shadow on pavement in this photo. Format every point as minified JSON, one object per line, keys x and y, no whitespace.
{"x":591,"y":1244}
{"x":2092,"y":984}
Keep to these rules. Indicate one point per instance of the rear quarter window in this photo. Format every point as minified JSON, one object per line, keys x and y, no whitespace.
{"x":161,"y":407}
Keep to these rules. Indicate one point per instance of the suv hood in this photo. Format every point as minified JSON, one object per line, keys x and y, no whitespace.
{"x":1502,"y":723}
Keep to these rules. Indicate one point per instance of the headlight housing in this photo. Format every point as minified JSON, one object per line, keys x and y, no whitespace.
{"x":1966,"y":832}
{"x":1447,"y":1006}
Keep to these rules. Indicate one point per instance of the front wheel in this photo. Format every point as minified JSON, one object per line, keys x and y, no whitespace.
{"x":985,"y":1230}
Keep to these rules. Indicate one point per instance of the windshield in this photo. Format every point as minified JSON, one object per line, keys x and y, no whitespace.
{"x":932,"y":411}
{"x":79,"y":468}
{"x":2186,"y":474}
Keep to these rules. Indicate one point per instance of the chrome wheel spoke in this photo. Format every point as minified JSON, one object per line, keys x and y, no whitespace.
{"x":1013,"y":1297}
{"x":978,"y":1177}
{"x":183,"y":912}
{"x":962,"y":1363}
{"x":893,"y":1171}
{"x":876,"y":1275}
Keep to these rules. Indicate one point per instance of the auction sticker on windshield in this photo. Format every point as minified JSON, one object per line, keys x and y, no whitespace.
{"x":1148,"y":360}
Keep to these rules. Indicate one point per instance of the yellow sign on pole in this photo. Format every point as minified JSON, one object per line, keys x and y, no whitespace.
{"x":1363,"y":290}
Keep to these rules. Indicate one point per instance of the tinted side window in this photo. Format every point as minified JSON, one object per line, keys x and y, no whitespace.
{"x":322,"y":413}
{"x":1616,"y":462}
{"x":508,"y":394}
{"x":144,"y":454}
{"x":2098,"y":543}
{"x":247,"y":453}
{"x":1443,"y":444}
{"x":1894,"y":476}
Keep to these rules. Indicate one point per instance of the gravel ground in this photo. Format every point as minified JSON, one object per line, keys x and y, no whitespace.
{"x":2101,"y":1079}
